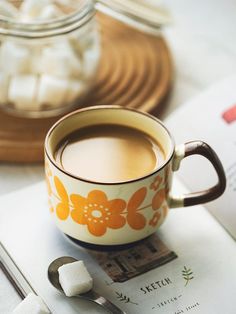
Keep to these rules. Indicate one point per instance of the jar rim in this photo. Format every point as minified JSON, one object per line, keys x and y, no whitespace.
{"x":54,"y":27}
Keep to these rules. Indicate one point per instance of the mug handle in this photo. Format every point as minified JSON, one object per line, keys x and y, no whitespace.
{"x":203,"y":149}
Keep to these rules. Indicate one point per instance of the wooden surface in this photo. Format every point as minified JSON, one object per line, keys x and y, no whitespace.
{"x":135,"y":71}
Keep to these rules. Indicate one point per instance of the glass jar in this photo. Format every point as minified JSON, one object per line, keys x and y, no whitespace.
{"x":48,"y":66}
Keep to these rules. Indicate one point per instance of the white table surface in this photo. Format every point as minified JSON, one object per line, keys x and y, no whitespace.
{"x":202,"y":39}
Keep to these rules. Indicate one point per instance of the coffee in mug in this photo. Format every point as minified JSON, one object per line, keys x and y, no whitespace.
{"x":109,"y":153}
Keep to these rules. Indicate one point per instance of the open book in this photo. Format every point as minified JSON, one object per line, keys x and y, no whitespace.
{"x":196,"y":255}
{"x":211,"y":117}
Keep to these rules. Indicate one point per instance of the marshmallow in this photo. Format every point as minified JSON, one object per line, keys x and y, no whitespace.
{"x":32,"y":304}
{"x":22,"y":92}
{"x":52,"y":91}
{"x":31,"y":9}
{"x":74,"y":91}
{"x":61,"y":61}
{"x":74,"y":278}
{"x":7,"y":9}
{"x":4,"y":83}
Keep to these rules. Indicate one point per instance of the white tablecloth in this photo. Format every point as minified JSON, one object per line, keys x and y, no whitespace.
{"x":202,"y":41}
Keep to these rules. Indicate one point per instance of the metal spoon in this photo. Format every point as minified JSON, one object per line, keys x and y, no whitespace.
{"x":91,"y":295}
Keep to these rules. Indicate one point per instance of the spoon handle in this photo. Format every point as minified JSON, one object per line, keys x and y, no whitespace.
{"x":100,"y":300}
{"x":111,"y":307}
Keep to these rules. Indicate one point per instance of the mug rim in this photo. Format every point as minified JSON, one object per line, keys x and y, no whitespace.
{"x":97,"y":107}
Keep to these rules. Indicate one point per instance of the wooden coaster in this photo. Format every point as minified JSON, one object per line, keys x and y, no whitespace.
{"x":135,"y":71}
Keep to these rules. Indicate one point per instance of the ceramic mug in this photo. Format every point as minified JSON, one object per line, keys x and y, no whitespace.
{"x":120,"y":213}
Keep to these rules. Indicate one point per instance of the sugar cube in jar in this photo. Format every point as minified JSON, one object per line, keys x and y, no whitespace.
{"x":48,"y":61}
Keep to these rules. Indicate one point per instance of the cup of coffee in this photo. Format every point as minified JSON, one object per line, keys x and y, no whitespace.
{"x":109,"y":174}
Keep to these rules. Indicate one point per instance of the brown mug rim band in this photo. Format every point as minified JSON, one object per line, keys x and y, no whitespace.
{"x":203,"y":149}
{"x":97,"y":107}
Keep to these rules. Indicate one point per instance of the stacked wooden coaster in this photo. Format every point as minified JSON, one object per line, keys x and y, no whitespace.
{"x":135,"y":71}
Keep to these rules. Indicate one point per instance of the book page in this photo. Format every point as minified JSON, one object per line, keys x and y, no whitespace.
{"x":210,"y":117}
{"x":8,"y":294}
{"x":201,"y":279}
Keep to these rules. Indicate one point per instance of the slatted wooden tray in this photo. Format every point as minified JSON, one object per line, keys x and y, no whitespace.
{"x":135,"y":71}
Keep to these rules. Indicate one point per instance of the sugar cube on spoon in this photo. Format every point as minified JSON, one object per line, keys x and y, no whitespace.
{"x":74,"y":278}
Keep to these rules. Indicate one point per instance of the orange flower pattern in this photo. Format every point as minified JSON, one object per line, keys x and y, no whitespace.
{"x":136,"y":220}
{"x":158,"y":199}
{"x":156,"y":183}
{"x":63,"y":208}
{"x":97,"y":212}
{"x":155,"y":219}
